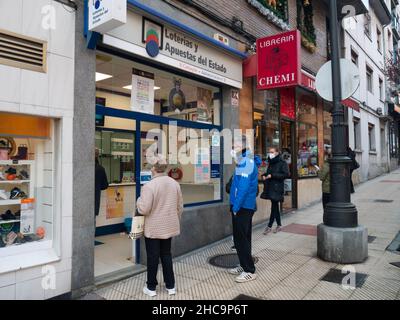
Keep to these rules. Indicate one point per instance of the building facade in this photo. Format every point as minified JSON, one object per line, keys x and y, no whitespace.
{"x":37,"y":42}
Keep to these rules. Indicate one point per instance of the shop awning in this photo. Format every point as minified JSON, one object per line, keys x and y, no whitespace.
{"x":17,"y":125}
{"x":350,"y":103}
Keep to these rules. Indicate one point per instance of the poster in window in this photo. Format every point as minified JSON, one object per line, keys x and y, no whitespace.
{"x":202,"y":166}
{"x":204,"y":105}
{"x":142,"y":94}
{"x":115,"y":203}
{"x":27,"y":216}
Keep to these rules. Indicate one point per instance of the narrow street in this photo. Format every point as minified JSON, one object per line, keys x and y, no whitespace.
{"x":287,"y":266}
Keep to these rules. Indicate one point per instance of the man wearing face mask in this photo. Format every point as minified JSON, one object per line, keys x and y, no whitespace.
{"x":274,"y":178}
{"x":243,"y":193}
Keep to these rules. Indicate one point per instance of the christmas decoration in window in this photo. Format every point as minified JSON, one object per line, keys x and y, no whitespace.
{"x":305,"y":23}
{"x":276,"y":11}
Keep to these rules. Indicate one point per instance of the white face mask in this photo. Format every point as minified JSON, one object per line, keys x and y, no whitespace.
{"x":271,"y":155}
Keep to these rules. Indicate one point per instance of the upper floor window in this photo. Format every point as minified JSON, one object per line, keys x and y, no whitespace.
{"x":305,"y":23}
{"x":370,"y":76}
{"x":367,"y":25}
{"x":379,"y":39}
{"x":354,"y":57}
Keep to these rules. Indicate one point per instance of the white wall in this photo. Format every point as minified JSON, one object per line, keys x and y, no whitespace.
{"x":372,"y":163}
{"x":51,"y":95}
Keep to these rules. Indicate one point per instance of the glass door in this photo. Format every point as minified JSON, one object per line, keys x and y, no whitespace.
{"x":288,"y":154}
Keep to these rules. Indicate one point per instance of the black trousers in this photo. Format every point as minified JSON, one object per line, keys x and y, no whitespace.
{"x":325,"y":199}
{"x":275,"y":214}
{"x":242,"y":230}
{"x":156,"y":249}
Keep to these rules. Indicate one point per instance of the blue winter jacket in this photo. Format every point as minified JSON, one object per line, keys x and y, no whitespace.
{"x":243,"y":191}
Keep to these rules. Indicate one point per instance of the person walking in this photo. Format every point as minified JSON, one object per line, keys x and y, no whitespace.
{"x":324,"y":176}
{"x":354,"y":165}
{"x":274,"y":178}
{"x":100,"y":182}
{"x":243,"y":193}
{"x":162,"y":205}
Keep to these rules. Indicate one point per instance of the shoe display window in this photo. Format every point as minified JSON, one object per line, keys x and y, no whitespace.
{"x":26,"y":182}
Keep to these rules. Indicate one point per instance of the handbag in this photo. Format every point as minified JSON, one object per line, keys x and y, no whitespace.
{"x":137,"y":227}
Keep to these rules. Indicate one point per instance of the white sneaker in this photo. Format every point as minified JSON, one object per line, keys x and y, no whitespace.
{"x":148,"y":292}
{"x":171,"y":292}
{"x":245,"y":277}
{"x":3,"y":195}
{"x":236,"y":271}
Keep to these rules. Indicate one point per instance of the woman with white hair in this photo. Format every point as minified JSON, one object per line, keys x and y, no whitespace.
{"x":162,"y":205}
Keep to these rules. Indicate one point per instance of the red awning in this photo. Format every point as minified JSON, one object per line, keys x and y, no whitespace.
{"x":250,"y":66}
{"x":350,"y":103}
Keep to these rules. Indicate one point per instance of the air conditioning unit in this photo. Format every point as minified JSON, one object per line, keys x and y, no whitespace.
{"x":379,"y":111}
{"x":221,"y":38}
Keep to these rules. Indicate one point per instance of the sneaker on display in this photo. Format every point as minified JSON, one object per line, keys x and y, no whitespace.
{"x":11,"y":237}
{"x":17,"y":193}
{"x":149,"y":292}
{"x":3,"y":195}
{"x":23,"y":175}
{"x":236,"y":271}
{"x":8,"y":215}
{"x":11,"y":170}
{"x":246,"y":277}
{"x":171,"y":292}
{"x":2,"y":177}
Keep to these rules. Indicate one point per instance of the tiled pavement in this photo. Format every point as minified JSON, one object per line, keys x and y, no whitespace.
{"x":288,"y":267}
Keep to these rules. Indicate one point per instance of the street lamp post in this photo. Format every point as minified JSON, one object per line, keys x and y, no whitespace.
{"x":340,"y":238}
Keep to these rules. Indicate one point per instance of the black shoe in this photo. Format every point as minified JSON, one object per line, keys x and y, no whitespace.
{"x":17,"y":193}
{"x":233,"y":248}
{"x":8,"y":215}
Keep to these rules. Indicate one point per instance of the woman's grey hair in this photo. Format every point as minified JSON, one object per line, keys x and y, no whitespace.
{"x":160,"y":164}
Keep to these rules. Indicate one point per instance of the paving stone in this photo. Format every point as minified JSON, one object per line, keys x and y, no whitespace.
{"x":334,"y":290}
{"x":200,"y":273}
{"x":109,"y":293}
{"x":282,"y":292}
{"x":372,"y":294}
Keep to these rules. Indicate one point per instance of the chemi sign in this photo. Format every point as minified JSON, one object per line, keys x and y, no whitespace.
{"x":279,"y":61}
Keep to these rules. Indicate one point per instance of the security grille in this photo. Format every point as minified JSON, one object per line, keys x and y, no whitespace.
{"x":22,"y":52}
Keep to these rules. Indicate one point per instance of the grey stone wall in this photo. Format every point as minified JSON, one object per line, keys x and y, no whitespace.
{"x":82,"y":278}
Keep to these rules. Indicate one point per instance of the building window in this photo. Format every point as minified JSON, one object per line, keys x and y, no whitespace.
{"x":28,"y":181}
{"x":394,"y":147}
{"x":157,"y":96}
{"x":307,"y":133}
{"x":305,"y":23}
{"x":367,"y":25}
{"x":357,"y":133}
{"x":379,"y":40}
{"x":370,"y":76}
{"x":354,"y":57}
{"x":371,"y":137}
{"x":266,"y":121}
{"x":381,"y":91}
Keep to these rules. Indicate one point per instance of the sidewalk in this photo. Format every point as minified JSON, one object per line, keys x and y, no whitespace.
{"x":288,"y":267}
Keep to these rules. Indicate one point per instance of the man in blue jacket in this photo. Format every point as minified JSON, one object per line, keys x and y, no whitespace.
{"x":243,"y":195}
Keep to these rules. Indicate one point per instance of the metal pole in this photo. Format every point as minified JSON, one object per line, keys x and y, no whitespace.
{"x":340,"y":212}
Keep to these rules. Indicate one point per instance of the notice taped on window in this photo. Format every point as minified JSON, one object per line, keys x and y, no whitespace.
{"x":27,"y":216}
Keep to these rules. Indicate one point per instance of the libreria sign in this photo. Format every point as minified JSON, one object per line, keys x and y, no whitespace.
{"x":279,"y":61}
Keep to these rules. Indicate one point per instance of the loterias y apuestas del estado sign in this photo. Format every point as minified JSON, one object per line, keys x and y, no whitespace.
{"x":279,"y":63}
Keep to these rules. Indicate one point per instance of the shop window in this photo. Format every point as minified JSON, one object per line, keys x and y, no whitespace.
{"x":371,"y":137}
{"x":266,"y":121}
{"x":307,"y":134}
{"x":194,"y":159}
{"x":125,"y":84}
{"x":27,"y":181}
{"x":394,"y":140}
{"x":370,"y":77}
{"x":357,"y":133}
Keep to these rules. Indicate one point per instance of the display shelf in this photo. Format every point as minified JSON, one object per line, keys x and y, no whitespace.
{"x":18,"y":163}
{"x":9,"y":221}
{"x":10,"y":202}
{"x":14,"y":181}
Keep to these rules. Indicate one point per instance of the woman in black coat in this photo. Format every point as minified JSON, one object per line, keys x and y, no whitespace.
{"x":274,"y":178}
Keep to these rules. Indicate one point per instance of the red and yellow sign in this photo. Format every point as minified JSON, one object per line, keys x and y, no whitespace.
{"x":279,"y":61}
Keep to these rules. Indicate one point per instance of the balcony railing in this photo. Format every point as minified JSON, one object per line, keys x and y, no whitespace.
{"x":396,"y":25}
